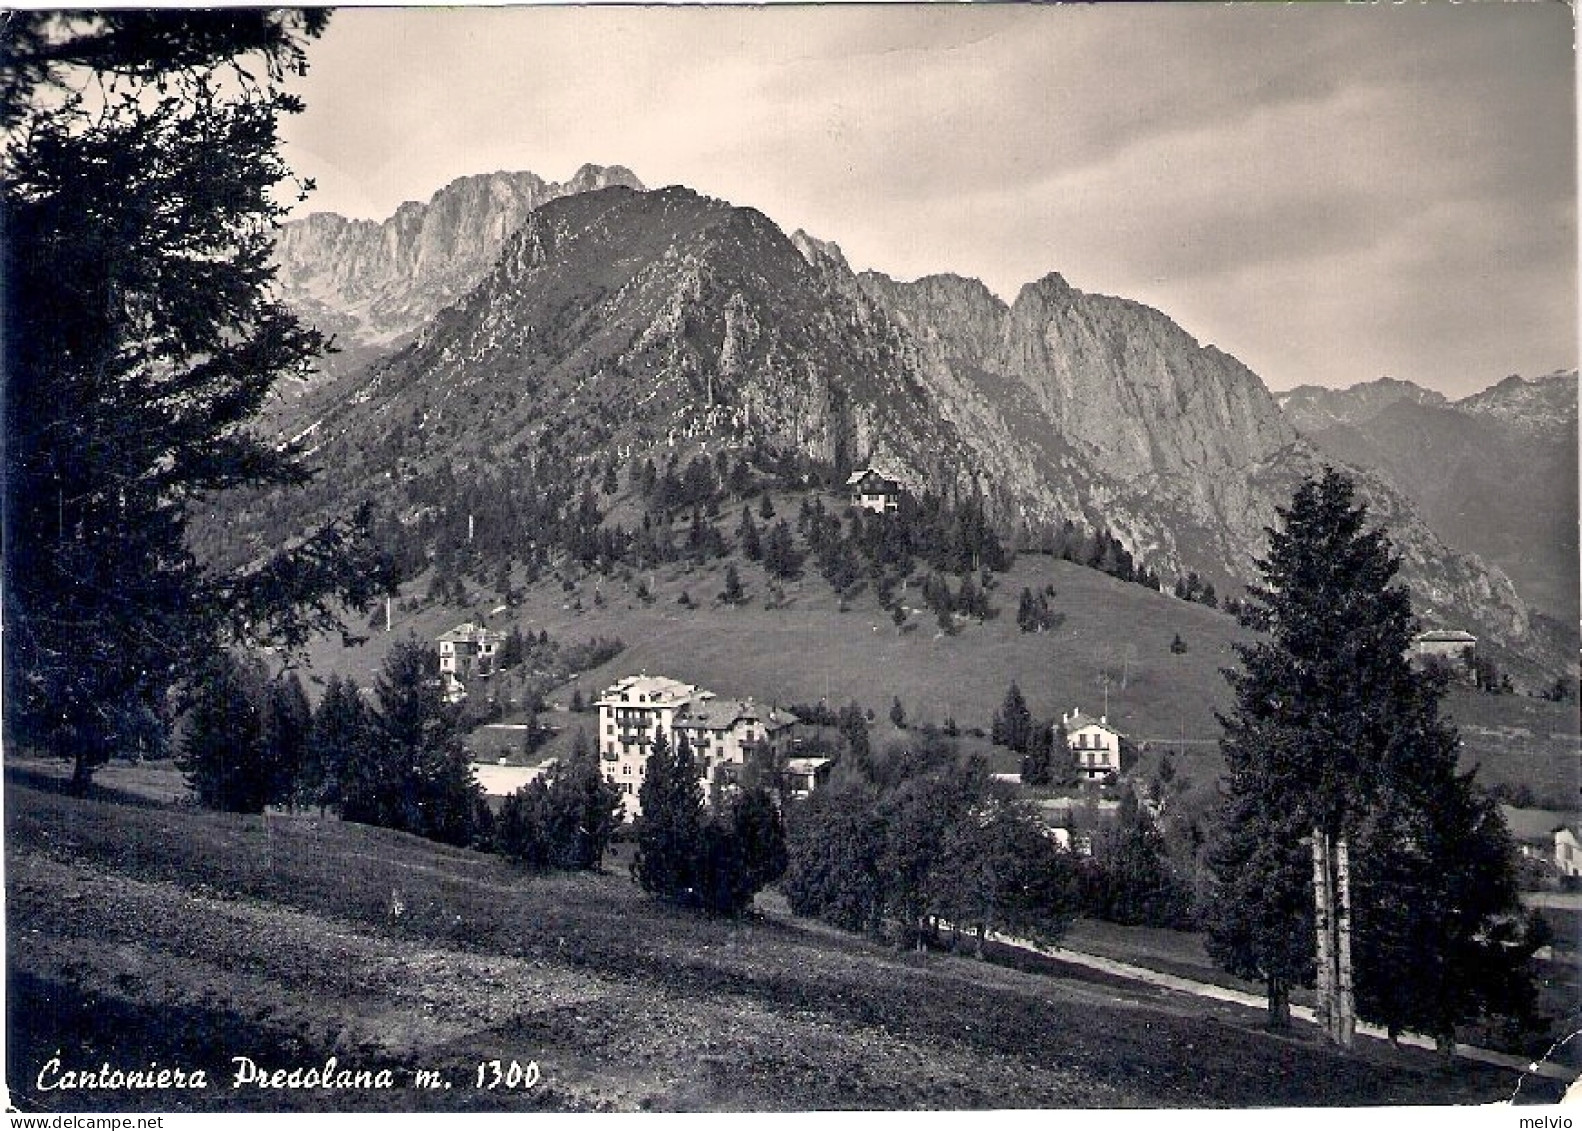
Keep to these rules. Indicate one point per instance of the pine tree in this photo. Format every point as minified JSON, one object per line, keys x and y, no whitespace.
{"x":733,"y":592}
{"x":1038,"y":760}
{"x":287,"y":721}
{"x":413,"y":774}
{"x":224,"y":752}
{"x":1013,"y":723}
{"x":670,"y":830}
{"x":335,"y":744}
{"x":1441,"y":937}
{"x":752,"y":546}
{"x":142,"y":341}
{"x":593,"y":807}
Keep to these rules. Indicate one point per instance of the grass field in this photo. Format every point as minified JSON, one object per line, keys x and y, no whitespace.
{"x":142,"y":931}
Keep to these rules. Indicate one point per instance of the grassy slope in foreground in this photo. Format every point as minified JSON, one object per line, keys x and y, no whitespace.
{"x":141,"y":933}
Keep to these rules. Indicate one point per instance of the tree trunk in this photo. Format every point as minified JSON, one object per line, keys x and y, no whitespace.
{"x":1279,"y":1004}
{"x":1345,"y":1001}
{"x":81,"y":774}
{"x":1324,"y":1001}
{"x":982,"y":931}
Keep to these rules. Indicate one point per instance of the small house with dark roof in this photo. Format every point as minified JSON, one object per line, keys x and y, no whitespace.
{"x":871,"y":491}
{"x":1448,"y":644}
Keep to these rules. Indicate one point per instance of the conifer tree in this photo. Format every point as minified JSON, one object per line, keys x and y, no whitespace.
{"x":335,"y":744}
{"x":413,"y":774}
{"x":1037,"y":761}
{"x":670,"y":829}
{"x":140,"y":193}
{"x":1013,"y":723}
{"x":224,"y":751}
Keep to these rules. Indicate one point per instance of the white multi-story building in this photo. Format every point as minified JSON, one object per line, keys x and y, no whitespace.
{"x":723,"y":733}
{"x":726,"y":733}
{"x":630,"y":710}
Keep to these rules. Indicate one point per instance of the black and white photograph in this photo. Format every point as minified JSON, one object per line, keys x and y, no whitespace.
{"x":791,"y":558}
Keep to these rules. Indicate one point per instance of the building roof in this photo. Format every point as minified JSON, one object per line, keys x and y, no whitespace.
{"x":722,"y":714}
{"x":1446,"y":636}
{"x":470,"y":633}
{"x":806,"y":765}
{"x":1076,"y":721}
{"x":652,"y":690}
{"x":872,"y":482}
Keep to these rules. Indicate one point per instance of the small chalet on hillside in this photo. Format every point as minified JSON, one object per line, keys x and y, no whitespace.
{"x":1096,"y":745}
{"x":871,"y":491}
{"x":1448,"y":644}
{"x":466,"y":651}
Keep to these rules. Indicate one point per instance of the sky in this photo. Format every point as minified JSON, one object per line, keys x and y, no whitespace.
{"x":1330,"y":193}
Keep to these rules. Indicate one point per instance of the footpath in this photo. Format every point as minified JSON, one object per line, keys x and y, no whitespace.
{"x":1254,"y":1001}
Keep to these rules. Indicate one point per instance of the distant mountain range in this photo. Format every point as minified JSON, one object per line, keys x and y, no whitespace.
{"x":1494,"y":474}
{"x":615,"y":320}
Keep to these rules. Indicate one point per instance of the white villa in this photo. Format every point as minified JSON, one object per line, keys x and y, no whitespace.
{"x":1096,"y":744}
{"x":466,"y":651}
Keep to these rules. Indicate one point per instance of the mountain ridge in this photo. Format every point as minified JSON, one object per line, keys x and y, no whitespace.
{"x":616,"y":321}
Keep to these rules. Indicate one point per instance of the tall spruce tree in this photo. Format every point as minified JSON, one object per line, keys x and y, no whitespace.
{"x":1013,"y":724}
{"x":335,"y":745}
{"x":140,"y":175}
{"x":225,"y":752}
{"x":1331,"y":727}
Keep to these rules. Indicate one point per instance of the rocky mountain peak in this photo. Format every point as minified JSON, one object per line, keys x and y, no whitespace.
{"x":373,"y":281}
{"x":819,"y":252}
{"x":1546,"y":405}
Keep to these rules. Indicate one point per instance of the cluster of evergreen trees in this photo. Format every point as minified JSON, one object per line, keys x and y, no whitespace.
{"x":1047,"y":759}
{"x":714,"y":859}
{"x":1035,"y":613}
{"x":916,"y":837}
{"x":1193,"y":588}
{"x":398,"y":762}
{"x":564,"y":820}
{"x":1096,"y":549}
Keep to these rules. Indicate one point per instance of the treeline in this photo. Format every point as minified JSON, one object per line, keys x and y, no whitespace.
{"x":394,"y":759}
{"x":914,"y":840}
{"x":249,"y":742}
{"x":1094,"y":548}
